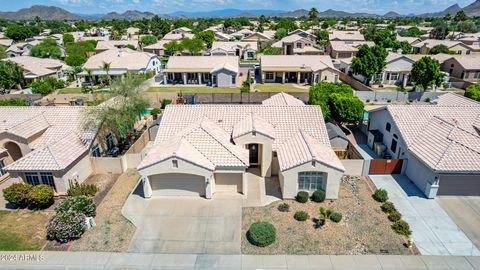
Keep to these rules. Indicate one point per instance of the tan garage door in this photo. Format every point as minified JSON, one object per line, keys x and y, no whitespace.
{"x":228,"y":182}
{"x":459,"y":185}
{"x":177,"y":184}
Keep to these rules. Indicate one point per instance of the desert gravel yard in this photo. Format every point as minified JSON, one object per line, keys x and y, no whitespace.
{"x":113,"y":231}
{"x":364,"y":229}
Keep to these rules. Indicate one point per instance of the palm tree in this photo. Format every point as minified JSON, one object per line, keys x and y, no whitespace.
{"x":106,"y":68}
{"x":313,"y":13}
{"x":90,"y":79}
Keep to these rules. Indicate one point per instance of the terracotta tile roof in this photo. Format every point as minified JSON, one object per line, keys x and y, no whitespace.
{"x":282,"y":99}
{"x":207,"y":132}
{"x":303,"y":148}
{"x":55,"y":135}
{"x":444,"y":135}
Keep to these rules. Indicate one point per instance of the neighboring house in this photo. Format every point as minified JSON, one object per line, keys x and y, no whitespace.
{"x":244,"y":50}
{"x":220,"y":36}
{"x":22,"y":48}
{"x":345,"y":36}
{"x":242,"y":33}
{"x":121,"y":61}
{"x":6,"y":43}
{"x":439,"y":143}
{"x":469,"y":38}
{"x":45,"y":145}
{"x":338,"y":139}
{"x":216,"y":71}
{"x":266,"y":35}
{"x":457,"y":47}
{"x":308,"y":69}
{"x":297,"y":45}
{"x":396,"y":71}
{"x":345,"y":49}
{"x":105,"y":45}
{"x":181,"y":30}
{"x":202,"y":150}
{"x":157,"y":48}
{"x":411,"y":40}
{"x":177,"y":37}
{"x":304,"y":34}
{"x":463,"y":67}
{"x":39,"y":68}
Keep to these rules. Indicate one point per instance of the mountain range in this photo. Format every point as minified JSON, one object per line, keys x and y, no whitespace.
{"x":56,"y":13}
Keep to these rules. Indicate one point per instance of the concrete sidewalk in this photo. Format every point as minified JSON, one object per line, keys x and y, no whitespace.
{"x":101,"y":260}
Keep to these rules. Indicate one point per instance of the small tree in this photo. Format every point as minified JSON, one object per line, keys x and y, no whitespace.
{"x":473,"y":91}
{"x":280,"y":33}
{"x":48,"y":48}
{"x":148,"y":40}
{"x":173,"y":47}
{"x":369,"y":61}
{"x":67,"y":39}
{"x":106,"y":68}
{"x":460,"y":16}
{"x":346,"y":108}
{"x":194,"y":45}
{"x":313,"y":13}
{"x":440,"y":49}
{"x":208,"y":37}
{"x":426,"y":72}
{"x":11,"y":74}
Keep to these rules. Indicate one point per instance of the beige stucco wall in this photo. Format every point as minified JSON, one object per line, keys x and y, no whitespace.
{"x":328,"y":75}
{"x":265,"y":156}
{"x":80,"y":171}
{"x":353,"y":166}
{"x":228,"y":182}
{"x":289,"y":180}
{"x":183,"y":167}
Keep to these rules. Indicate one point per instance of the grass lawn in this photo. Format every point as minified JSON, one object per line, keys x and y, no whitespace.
{"x":278,"y":87}
{"x":23,"y":229}
{"x":70,"y":90}
{"x":113,"y":231}
{"x":364,"y":228}
{"x":194,"y":90}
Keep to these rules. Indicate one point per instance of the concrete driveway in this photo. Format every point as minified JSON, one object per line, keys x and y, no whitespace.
{"x":465,"y":212}
{"x":186,"y":225}
{"x":434,"y":232}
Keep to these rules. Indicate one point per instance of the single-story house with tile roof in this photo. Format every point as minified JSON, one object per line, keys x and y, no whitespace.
{"x":345,"y":49}
{"x":45,"y":145}
{"x":304,"y":34}
{"x":200,"y":150}
{"x":439,"y":143}
{"x":463,"y":67}
{"x":345,"y":36}
{"x":157,"y":48}
{"x":121,"y":61}
{"x":457,"y":47}
{"x":38,"y":68}
{"x":6,"y":43}
{"x":104,"y":45}
{"x":243,"y":49}
{"x":410,"y":40}
{"x":297,"y":45}
{"x":216,"y":71}
{"x":297,"y":69}
{"x":243,"y":33}
{"x":21,"y":48}
{"x":220,"y":36}
{"x":263,"y":36}
{"x":396,"y":71}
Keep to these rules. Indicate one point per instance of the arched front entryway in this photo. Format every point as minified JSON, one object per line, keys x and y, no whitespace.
{"x":13,"y":150}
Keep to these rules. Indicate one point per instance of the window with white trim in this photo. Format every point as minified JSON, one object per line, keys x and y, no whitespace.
{"x":35,"y":178}
{"x":394,"y":76}
{"x":311,"y":181}
{"x":269,"y":76}
{"x":32,"y":178}
{"x":2,"y":165}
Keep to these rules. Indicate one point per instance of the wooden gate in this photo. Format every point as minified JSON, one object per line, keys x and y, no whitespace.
{"x":385,"y":166}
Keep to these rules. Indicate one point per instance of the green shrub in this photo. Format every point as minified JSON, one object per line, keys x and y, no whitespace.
{"x":301,"y":215}
{"x":401,"y":227}
{"x":40,"y":197}
{"x":380,"y":195}
{"x":394,"y":216}
{"x":318,"y":196}
{"x":79,"y":204}
{"x":166,"y":102}
{"x":155,"y":111}
{"x":17,"y":194}
{"x":284,"y":207}
{"x":325,"y":213}
{"x":302,"y":197}
{"x":388,"y":207}
{"x":262,"y":234}
{"x":336,"y":217}
{"x":84,"y":189}
{"x":66,"y":226}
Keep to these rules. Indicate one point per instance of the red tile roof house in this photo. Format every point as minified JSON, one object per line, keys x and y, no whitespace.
{"x":440,"y":143}
{"x":200,"y":150}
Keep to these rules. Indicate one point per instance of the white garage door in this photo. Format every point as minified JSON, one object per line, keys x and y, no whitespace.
{"x":228,"y":182}
{"x":459,"y":186}
{"x":177,"y":184}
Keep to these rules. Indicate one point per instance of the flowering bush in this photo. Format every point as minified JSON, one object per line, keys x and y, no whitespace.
{"x":79,"y":204}
{"x":66,"y":226}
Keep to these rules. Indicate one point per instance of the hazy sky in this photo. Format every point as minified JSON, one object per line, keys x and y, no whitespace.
{"x":168,"y":6}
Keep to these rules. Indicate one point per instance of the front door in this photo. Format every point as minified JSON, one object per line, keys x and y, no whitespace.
{"x":253,"y":153}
